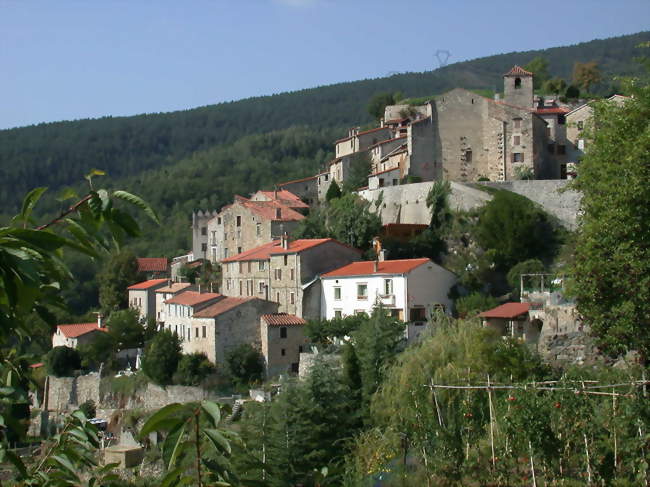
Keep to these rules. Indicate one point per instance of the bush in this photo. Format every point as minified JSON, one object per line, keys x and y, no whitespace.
{"x":161,"y":357}
{"x":89,"y":408}
{"x":467,"y":306}
{"x":63,"y":361}
{"x":193,"y":369}
{"x":245,"y":364}
{"x":125,"y":328}
{"x":531,"y":266}
{"x":333,"y":192}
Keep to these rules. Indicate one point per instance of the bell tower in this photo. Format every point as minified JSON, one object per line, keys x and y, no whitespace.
{"x":518,"y":87}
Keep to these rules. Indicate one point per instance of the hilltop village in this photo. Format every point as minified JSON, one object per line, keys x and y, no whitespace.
{"x":272,"y":284}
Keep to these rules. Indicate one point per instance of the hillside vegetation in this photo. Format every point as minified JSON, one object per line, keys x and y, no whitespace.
{"x":201,"y":157}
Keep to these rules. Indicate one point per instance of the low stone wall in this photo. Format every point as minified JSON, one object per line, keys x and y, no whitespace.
{"x":69,"y":392}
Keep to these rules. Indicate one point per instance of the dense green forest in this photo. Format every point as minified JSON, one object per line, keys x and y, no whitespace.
{"x":58,"y":154}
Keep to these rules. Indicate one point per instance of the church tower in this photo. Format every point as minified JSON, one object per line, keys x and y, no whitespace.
{"x":518,"y":87}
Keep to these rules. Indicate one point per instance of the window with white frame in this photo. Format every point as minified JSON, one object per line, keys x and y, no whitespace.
{"x":362,"y":291}
{"x":337,"y":293}
{"x":388,"y":287}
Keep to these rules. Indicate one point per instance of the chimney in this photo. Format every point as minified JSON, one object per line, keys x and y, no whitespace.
{"x":278,"y":213}
{"x":382,"y":255}
{"x":100,"y":320}
{"x":275,"y":193}
{"x":199,"y":288}
{"x":381,"y":122}
{"x":285,"y":241}
{"x":375,"y":266}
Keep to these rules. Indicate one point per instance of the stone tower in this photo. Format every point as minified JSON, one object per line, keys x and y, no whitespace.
{"x":518,"y":87}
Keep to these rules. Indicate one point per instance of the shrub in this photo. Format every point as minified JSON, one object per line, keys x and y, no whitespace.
{"x":161,"y":357}
{"x":467,"y":306}
{"x":333,"y":192}
{"x":89,"y":408}
{"x":63,"y":361}
{"x":193,"y":369}
{"x":531,"y":266}
{"x":245,"y":364}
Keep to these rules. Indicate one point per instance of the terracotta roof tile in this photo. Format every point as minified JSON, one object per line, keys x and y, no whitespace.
{"x":552,"y":110}
{"x":75,"y":330}
{"x":147,"y":284}
{"x":285,"y":197}
{"x":366,"y":267}
{"x":174,"y":287}
{"x":283,"y":319}
{"x":220,"y":307}
{"x":193,"y":298}
{"x":269,"y":210}
{"x":507,"y":310}
{"x":518,"y":71}
{"x":152,"y":264}
{"x":264,"y":252}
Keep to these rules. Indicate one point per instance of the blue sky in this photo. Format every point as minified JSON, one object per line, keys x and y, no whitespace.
{"x":64,"y":60}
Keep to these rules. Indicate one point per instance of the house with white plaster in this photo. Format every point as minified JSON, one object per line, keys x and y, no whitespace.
{"x":142,"y":297}
{"x":180,"y":309}
{"x":75,"y":334}
{"x":167,"y":292}
{"x":409,"y":289}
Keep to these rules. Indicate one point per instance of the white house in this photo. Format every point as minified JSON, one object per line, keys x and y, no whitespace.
{"x":168,"y":292}
{"x":410,"y":289}
{"x":76,"y":334}
{"x":142,"y":297}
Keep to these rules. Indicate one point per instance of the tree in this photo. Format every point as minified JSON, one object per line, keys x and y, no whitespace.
{"x":515,"y":229}
{"x":350,"y":221}
{"x":63,"y":361}
{"x":193,"y":368}
{"x":554,"y":85}
{"x":360,"y":167}
{"x":586,"y":75}
{"x":333,"y":191}
{"x":161,"y":357}
{"x":245,"y":363}
{"x":470,"y":305}
{"x":378,"y":103}
{"x":539,"y":67}
{"x":100,"y":350}
{"x":612,"y":265}
{"x":531,"y":266}
{"x":572,"y":92}
{"x":125,"y":328}
{"x":118,"y":273}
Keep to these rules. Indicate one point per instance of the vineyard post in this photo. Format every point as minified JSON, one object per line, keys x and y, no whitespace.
{"x":489,"y":391}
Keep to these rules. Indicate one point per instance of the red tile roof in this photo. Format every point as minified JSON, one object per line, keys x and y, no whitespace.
{"x":552,"y":110}
{"x":75,"y":330}
{"x":174,"y":288}
{"x":268,"y":210}
{"x":286,"y":198}
{"x":264,"y":252}
{"x":297,"y":181}
{"x":518,"y":71}
{"x":283,"y":319}
{"x":147,"y":284}
{"x":507,"y":310}
{"x":193,"y":298}
{"x":152,"y":264}
{"x":221,"y":307}
{"x":367,"y":267}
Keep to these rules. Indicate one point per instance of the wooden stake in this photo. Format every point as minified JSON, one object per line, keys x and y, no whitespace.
{"x":532,"y":464}
{"x":491,"y":422}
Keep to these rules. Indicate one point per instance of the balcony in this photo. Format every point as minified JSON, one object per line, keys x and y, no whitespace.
{"x":386,"y":299}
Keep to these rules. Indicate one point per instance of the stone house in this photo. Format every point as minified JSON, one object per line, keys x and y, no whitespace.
{"x":248,"y":223}
{"x":167,"y":292}
{"x":142,"y":297}
{"x":180,"y":309}
{"x":410,"y":289}
{"x":73,"y":335}
{"x":513,"y":320}
{"x":283,"y":340}
{"x":286,"y":272}
{"x":200,"y":221}
{"x":220,"y":327}
{"x":153,"y":267}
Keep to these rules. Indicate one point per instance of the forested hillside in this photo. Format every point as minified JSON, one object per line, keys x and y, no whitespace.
{"x":200,"y":157}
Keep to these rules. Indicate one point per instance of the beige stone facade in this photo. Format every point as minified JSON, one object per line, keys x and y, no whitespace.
{"x":142,"y":297}
{"x":286,"y":272}
{"x":283,"y":340}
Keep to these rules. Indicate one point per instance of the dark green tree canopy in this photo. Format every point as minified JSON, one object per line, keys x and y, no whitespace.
{"x":539,"y":67}
{"x":245,"y":364}
{"x":161,"y":357}
{"x":63,"y":361}
{"x":125,"y":328}
{"x":119,"y":272}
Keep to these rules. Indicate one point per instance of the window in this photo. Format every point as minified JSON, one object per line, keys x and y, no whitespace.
{"x":286,"y":259}
{"x":278,"y":274}
{"x":561,"y":149}
{"x":517,"y":157}
{"x":277,"y":297}
{"x":292,"y":274}
{"x":581,"y":125}
{"x":337,"y":293}
{"x":260,"y":265}
{"x":561,"y":120}
{"x":249,"y":266}
{"x":381,"y":182}
{"x":338,"y":314}
{"x":261,"y":286}
{"x":516,"y":140}
{"x":241,"y":267}
{"x":283,"y":332}
{"x":551,"y":148}
{"x":548,"y":131}
{"x":204,"y":247}
{"x":239,"y":221}
{"x":218,"y":220}
{"x":293,"y":298}
{"x":517,"y":83}
{"x":227,"y":284}
{"x":299,"y":348}
{"x":468,"y":155}
{"x":388,"y":286}
{"x":418,"y":314}
{"x":239,"y":250}
{"x":241,"y":288}
{"x":204,"y":230}
{"x":225,"y":252}
{"x":362,"y":291}
{"x":196,"y":332}
{"x":517,"y":123}
{"x":258,"y":229}
{"x":581,"y":144}
{"x":283,"y":352}
{"x":395,"y":182}
{"x":204,"y":332}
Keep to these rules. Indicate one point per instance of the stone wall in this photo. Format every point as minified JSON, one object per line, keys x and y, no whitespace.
{"x":565,"y":205}
{"x":69,"y":392}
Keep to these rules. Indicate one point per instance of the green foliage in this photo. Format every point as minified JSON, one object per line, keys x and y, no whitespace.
{"x":324,"y":331}
{"x":161,"y":357}
{"x":554,"y":85}
{"x":524,"y":173}
{"x":245,"y":364}
{"x":125,"y":328}
{"x":472,"y":304}
{"x":585,"y":75}
{"x":333,"y":191}
{"x":89,"y":409}
{"x":572,"y":92}
{"x":119,"y":272}
{"x":196,"y":449}
{"x":350,"y":221}
{"x":515,"y":229}
{"x":193,"y":369}
{"x":539,"y":67}
{"x":378,"y":103}
{"x":531,"y":266}
{"x":360,"y":167}
{"x":63,"y":361}
{"x":612,"y":265}
{"x":100,"y":350}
